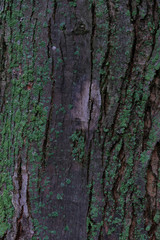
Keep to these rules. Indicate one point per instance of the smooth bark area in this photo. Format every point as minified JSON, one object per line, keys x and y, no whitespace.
{"x":79,"y":122}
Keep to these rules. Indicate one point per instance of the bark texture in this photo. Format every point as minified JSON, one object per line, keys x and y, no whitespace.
{"x":79,"y":122}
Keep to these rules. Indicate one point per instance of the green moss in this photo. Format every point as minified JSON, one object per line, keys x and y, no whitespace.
{"x":24,"y":117}
{"x":157,"y":217}
{"x":78,"y":146}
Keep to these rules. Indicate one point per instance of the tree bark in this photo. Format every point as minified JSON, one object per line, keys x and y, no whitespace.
{"x":79,"y":123}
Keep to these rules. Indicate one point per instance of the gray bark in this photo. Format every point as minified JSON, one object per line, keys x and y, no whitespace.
{"x":80,"y":133}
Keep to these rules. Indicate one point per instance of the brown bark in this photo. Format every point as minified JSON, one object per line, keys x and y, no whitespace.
{"x":80,"y":133}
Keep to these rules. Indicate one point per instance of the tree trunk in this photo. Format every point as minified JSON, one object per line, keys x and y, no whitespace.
{"x":79,"y":123}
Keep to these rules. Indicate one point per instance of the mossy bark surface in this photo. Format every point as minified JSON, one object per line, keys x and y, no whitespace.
{"x":79,"y":121}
